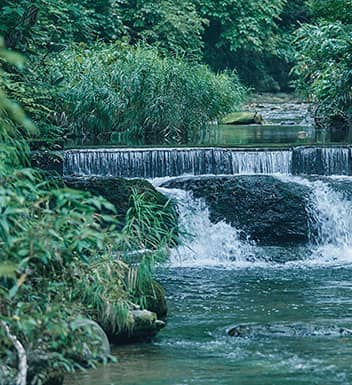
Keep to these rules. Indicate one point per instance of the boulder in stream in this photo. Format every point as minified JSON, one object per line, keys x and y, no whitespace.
{"x":253,"y":330}
{"x":267,"y":209}
{"x":119,"y":192}
{"x":144,"y":325}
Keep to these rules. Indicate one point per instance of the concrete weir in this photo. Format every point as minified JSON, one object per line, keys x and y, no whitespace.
{"x":162,"y":162}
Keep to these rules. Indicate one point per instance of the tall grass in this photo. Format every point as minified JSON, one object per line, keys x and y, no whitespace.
{"x":114,"y":88}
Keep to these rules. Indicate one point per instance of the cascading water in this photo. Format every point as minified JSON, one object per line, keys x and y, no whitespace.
{"x":219,"y":244}
{"x":152,"y":163}
{"x":322,"y":161}
{"x":205,"y":243}
{"x":330,"y":212}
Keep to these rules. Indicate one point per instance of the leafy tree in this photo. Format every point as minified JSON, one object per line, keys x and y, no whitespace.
{"x":47,"y":25}
{"x":174,"y":27}
{"x":240,"y":34}
{"x":331,"y":10}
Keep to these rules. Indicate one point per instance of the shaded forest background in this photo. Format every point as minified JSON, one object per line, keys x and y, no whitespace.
{"x":266,"y":45}
{"x":78,"y":68}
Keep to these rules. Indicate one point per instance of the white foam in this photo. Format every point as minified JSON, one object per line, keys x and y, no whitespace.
{"x":207,"y":244}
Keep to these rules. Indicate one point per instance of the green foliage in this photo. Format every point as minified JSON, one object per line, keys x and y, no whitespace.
{"x":175,"y":27}
{"x":331,"y":10}
{"x":242,"y":35}
{"x":61,"y":259}
{"x":150,"y":224}
{"x":47,"y":25}
{"x":324,"y":60}
{"x":119,"y":88}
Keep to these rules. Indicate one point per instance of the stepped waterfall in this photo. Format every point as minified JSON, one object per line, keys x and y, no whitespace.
{"x":329,"y":214}
{"x":162,"y":162}
{"x":259,"y":285}
{"x":329,"y":210}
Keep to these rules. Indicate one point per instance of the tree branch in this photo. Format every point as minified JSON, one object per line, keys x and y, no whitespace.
{"x":22,"y":357}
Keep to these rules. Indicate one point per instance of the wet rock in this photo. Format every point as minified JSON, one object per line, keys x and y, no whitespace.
{"x":268,"y":210}
{"x":252,"y":330}
{"x":243,"y":118}
{"x":144,"y":325}
{"x":118,"y":191}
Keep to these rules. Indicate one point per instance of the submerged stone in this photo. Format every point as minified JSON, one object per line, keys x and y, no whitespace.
{"x":251,"y":330}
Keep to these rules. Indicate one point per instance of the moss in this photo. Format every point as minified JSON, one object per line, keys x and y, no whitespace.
{"x":155,"y":300}
{"x":119,"y":191}
{"x":243,"y":118}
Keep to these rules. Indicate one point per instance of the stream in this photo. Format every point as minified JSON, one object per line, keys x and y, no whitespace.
{"x":291,"y":305}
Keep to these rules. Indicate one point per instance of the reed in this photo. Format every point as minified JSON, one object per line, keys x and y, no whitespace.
{"x":119,"y":88}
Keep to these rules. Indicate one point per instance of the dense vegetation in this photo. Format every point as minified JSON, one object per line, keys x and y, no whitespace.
{"x":324,"y":60}
{"x":145,"y":68}
{"x":260,"y":40}
{"x":117,"y":88}
{"x":62,"y":261}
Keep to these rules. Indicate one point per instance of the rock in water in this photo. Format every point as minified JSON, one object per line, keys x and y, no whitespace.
{"x":271,"y":212}
{"x":253,"y":330}
{"x":243,"y":118}
{"x":144,"y":325}
{"x":118,"y":191}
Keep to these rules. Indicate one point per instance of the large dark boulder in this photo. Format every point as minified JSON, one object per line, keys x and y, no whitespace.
{"x":119,"y":192}
{"x":268,"y":210}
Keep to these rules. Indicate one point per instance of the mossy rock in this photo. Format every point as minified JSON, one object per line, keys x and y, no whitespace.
{"x":118,"y":191}
{"x":144,"y":325}
{"x":155,"y":299}
{"x":243,"y":118}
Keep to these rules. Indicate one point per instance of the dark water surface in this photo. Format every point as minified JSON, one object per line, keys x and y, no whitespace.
{"x":286,"y":123}
{"x":294,"y":313}
{"x":230,"y":136}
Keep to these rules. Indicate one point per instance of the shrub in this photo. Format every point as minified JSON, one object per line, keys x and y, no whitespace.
{"x":323,"y":69}
{"x":61,"y":260}
{"x":111,"y":88}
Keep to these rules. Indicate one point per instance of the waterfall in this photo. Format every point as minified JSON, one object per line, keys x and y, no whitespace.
{"x":152,"y":163}
{"x":162,"y":162}
{"x":331,"y":216}
{"x":322,"y":161}
{"x":207,"y":244}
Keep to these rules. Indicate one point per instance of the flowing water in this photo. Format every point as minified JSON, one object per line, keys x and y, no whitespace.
{"x":293,"y":305}
{"x":162,"y":162}
{"x":290,"y":307}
